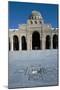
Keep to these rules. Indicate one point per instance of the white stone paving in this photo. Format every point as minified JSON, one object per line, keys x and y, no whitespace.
{"x":33,"y":68}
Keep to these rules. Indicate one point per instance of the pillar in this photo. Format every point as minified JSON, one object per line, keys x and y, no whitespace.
{"x":11,"y":43}
{"x":43,"y":43}
{"x":51,"y":42}
{"x":30,"y":42}
{"x":20,"y":46}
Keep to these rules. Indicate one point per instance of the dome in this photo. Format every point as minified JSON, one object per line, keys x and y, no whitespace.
{"x":35,"y":15}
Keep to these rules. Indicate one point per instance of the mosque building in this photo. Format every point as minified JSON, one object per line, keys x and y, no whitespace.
{"x":34,"y":35}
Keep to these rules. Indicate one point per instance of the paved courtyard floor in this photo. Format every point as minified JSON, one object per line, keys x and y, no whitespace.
{"x":32,"y":68}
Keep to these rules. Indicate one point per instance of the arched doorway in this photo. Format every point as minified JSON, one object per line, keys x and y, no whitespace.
{"x":48,"y":42}
{"x":55,"y":41}
{"x":35,"y":40}
{"x":15,"y":43}
{"x":9,"y":45}
{"x":24,"y":44}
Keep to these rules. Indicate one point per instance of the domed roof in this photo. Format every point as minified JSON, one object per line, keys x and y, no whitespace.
{"x":36,"y":14}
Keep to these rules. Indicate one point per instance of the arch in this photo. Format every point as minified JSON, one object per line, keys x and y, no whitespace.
{"x":31,"y":22}
{"x":24,"y":44}
{"x":9,"y":45}
{"x":48,"y":42}
{"x":15,"y":42}
{"x":55,"y":41}
{"x":35,"y":40}
{"x":40,"y":22}
{"x":35,"y":22}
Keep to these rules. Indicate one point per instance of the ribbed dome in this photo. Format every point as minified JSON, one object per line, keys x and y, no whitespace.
{"x":35,"y":15}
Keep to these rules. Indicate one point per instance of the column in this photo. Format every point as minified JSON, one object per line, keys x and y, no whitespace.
{"x":43,"y":43}
{"x":40,"y":41}
{"x":20,"y":44}
{"x":51,"y":43}
{"x":11,"y":43}
{"x":30,"y":42}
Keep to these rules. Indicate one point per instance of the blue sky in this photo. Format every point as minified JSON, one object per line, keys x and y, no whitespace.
{"x":18,"y":13}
